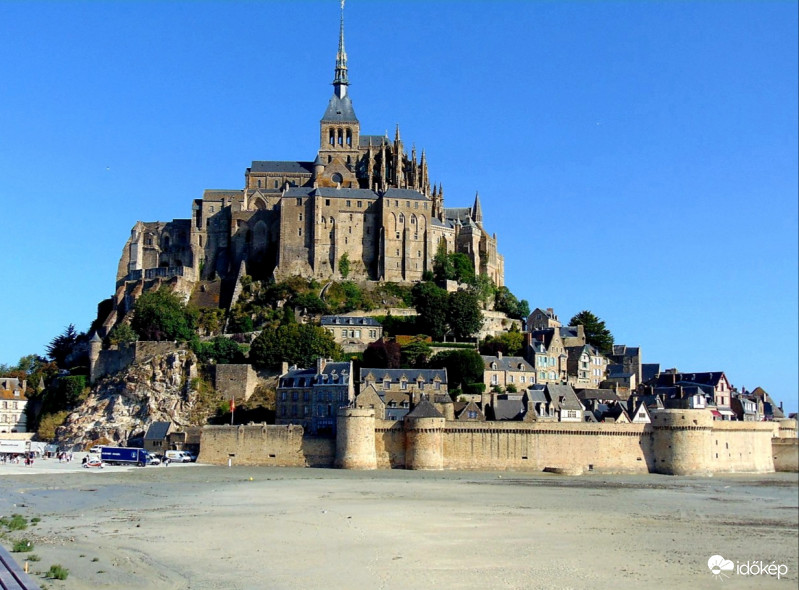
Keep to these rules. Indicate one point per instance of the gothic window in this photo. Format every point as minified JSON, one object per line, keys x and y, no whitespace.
{"x":337,"y":178}
{"x":340,"y":137}
{"x":332,"y":139}
{"x":349,"y":138}
{"x":413,"y":219}
{"x":402,"y":218}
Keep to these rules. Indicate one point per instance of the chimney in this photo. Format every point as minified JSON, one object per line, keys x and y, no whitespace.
{"x":284,"y":368}
{"x":499,"y":354}
{"x":320,"y":364}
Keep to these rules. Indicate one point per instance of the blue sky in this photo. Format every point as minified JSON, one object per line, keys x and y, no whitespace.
{"x":638,"y":159}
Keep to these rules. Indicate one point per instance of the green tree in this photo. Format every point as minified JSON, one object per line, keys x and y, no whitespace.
{"x":506,"y":302}
{"x":462,"y":267}
{"x":596,"y":333}
{"x":416,"y":353}
{"x":122,"y":334}
{"x":442,"y":263}
{"x":463,"y":314}
{"x":162,"y":315}
{"x":344,"y":265}
{"x":49,"y":423}
{"x":296,"y":344}
{"x":220,"y":350}
{"x":508,"y":343}
{"x":484,"y":288}
{"x":431,"y":303}
{"x":62,"y":345}
{"x":382,"y":355}
{"x":463,"y":367}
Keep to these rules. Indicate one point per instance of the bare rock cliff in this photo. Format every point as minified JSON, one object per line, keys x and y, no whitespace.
{"x":122,"y":406}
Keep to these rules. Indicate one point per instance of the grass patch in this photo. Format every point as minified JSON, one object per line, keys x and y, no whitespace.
{"x":16,"y":522}
{"x":33,"y":557}
{"x":22,"y":546}
{"x":57,"y":572}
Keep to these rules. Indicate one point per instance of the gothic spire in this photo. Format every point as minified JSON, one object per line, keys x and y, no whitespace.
{"x":342,"y":80}
{"x":477,"y":210}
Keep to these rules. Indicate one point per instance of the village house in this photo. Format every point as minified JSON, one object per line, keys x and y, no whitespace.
{"x":586,"y":366}
{"x":546,"y":352}
{"x":628,"y":358}
{"x":12,"y":405}
{"x":507,"y":372}
{"x":352,"y":333}
{"x":541,"y":319}
{"x":311,"y":397}
{"x":413,"y":383}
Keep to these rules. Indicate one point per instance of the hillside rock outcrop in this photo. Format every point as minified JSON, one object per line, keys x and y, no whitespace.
{"x":123,"y":405}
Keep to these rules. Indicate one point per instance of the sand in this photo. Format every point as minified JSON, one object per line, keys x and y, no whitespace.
{"x":202,"y":527}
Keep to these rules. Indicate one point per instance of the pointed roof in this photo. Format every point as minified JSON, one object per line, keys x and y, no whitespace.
{"x":477,"y":210}
{"x":339,"y":108}
{"x":424,"y":409}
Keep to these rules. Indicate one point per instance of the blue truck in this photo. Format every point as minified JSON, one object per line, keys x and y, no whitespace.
{"x":123,"y":456}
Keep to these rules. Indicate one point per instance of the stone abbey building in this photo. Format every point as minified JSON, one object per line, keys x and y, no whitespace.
{"x":362,"y":196}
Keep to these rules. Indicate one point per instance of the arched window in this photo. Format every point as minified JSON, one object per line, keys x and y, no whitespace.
{"x":332,"y":138}
{"x":337,"y":178}
{"x":413,"y":219}
{"x":340,"y":137}
{"x":401,"y":218}
{"x":349,"y":139}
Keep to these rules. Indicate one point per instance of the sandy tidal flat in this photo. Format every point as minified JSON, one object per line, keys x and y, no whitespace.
{"x":201,"y":527}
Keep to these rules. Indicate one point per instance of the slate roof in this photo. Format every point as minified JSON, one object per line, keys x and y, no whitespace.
{"x":570,"y":400}
{"x":506,"y":363}
{"x":568,"y":332}
{"x":508,"y":409}
{"x":603,"y":394}
{"x":332,"y":374}
{"x":211,"y":194}
{"x":411,"y":375}
{"x":346,"y":320}
{"x":649,"y":371}
{"x":404,"y":193}
{"x":157,"y":431}
{"x":373,"y":140}
{"x":624,"y":350}
{"x":536,"y":395}
{"x":424,"y":409}
{"x":710,"y":378}
{"x":340,"y":109}
{"x":287,"y":166}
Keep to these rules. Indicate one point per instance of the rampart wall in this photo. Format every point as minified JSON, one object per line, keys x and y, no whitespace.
{"x":678,"y":442}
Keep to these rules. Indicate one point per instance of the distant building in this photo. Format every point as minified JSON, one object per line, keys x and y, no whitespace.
{"x":311,"y":397}
{"x":541,"y":319}
{"x":352,"y":333}
{"x":507,"y":371}
{"x":586,"y":366}
{"x":12,"y":405}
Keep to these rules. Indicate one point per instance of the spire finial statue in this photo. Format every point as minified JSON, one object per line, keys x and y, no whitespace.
{"x":342,"y":80}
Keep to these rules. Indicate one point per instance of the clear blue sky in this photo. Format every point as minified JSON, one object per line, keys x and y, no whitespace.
{"x":637,"y":159}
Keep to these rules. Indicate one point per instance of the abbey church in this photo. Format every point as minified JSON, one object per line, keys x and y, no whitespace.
{"x":362,"y":200}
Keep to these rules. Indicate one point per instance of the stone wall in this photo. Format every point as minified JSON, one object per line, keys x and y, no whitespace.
{"x":235,"y":381}
{"x":679,"y":442}
{"x":112,"y":361}
{"x":786,"y":454}
{"x":262,"y":444}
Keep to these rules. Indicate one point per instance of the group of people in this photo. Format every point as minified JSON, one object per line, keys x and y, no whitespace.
{"x":17,"y":458}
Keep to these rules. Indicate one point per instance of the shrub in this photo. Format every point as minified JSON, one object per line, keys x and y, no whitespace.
{"x":22,"y":546}
{"x":57,"y":572}
{"x":49,"y":423}
{"x":16,"y":522}
{"x":33,"y":557}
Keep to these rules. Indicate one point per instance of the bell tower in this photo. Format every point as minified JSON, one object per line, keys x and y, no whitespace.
{"x":339,"y":128}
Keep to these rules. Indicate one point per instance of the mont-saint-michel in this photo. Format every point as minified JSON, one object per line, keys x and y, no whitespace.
{"x":349,"y":314}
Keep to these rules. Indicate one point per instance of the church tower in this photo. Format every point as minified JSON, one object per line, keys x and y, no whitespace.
{"x":339,"y":129}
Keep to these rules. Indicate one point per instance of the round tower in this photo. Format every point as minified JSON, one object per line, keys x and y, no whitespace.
{"x":355,"y":438}
{"x":682,"y":442}
{"x":424,"y":443}
{"x":95,"y":346}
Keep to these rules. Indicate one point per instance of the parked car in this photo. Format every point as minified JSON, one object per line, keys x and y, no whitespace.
{"x":153,"y":459}
{"x":93,"y":461}
{"x":96,"y":450}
